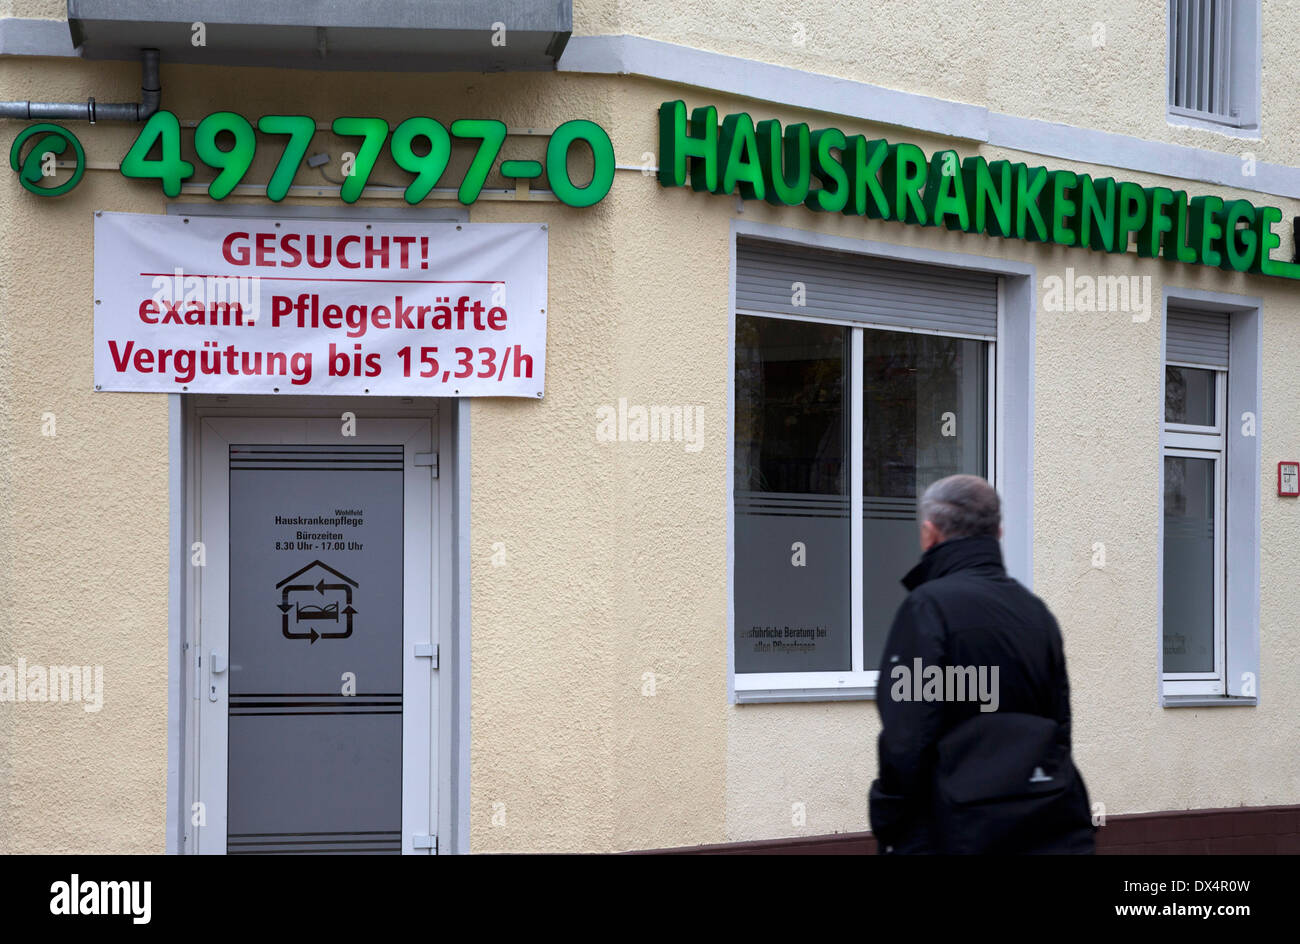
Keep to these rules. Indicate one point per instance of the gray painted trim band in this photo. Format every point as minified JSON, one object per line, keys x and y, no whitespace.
{"x":20,"y":36}
{"x":1090,"y":146}
{"x":747,"y":78}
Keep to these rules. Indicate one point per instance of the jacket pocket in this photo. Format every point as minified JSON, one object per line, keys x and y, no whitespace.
{"x":1004,"y":783}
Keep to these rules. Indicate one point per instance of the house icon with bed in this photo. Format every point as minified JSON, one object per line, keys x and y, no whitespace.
{"x":316,"y":601}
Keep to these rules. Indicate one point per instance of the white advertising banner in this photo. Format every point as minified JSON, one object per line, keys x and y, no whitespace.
{"x":204,"y":304}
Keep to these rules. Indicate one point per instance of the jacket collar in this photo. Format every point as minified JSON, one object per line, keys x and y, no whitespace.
{"x":953,"y":555}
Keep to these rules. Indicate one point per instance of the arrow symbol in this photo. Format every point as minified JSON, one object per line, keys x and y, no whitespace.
{"x":323,"y":586}
{"x":347,"y":632}
{"x":284,"y":629}
{"x":284,"y":594}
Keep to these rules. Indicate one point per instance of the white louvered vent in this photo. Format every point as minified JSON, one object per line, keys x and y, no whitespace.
{"x":1200,"y":59}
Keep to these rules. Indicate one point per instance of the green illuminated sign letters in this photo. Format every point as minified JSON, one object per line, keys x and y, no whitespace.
{"x":827,"y":171}
{"x":227,"y":143}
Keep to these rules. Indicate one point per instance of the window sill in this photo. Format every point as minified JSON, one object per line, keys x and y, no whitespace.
{"x":772,"y":695}
{"x":1249,"y":132}
{"x":1207,"y":701}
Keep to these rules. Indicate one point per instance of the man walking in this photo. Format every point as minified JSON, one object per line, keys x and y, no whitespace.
{"x":974,"y":701}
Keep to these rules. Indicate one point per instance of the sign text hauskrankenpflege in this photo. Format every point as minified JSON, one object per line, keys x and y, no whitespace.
{"x":831,"y":172}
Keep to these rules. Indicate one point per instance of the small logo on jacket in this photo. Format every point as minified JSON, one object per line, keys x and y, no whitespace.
{"x":1039,"y":776}
{"x":948,"y":683}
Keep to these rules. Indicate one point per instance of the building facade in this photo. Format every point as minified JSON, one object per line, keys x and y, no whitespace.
{"x":779,"y":267}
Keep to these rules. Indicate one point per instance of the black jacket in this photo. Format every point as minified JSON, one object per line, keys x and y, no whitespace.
{"x":953,"y":777}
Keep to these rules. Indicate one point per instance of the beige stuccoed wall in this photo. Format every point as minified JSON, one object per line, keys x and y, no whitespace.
{"x":646,"y":550}
{"x":1098,"y":394}
{"x":83,"y":515}
{"x":35,"y":9}
{"x":602,"y":542}
{"x":615,"y":552}
{"x":1019,"y":57}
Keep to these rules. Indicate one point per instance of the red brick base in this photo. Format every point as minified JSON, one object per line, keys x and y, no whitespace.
{"x":1249,"y":830}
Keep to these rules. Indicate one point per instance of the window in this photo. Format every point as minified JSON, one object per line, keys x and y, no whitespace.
{"x":924,"y":416}
{"x":922,"y":402}
{"x":1210,"y":467}
{"x":1194,"y":565}
{"x":839,"y":426}
{"x":1214,"y":62}
{"x":792,"y":494}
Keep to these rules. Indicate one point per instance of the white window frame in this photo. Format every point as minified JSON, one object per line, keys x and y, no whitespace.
{"x":1205,"y":442}
{"x":1010,"y":430}
{"x":1238,"y":394}
{"x":859,"y":680}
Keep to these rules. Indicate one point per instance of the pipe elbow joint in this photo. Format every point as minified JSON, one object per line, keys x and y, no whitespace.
{"x":150,"y":84}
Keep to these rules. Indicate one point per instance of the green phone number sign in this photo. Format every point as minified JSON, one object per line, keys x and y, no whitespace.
{"x":420,"y":146}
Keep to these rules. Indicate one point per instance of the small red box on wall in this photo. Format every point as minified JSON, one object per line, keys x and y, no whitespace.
{"x":1288,"y":479}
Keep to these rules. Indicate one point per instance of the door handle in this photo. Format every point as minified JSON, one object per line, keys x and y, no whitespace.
{"x":216,"y":666}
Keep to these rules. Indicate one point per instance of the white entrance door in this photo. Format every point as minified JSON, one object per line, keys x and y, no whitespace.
{"x":317,"y":670}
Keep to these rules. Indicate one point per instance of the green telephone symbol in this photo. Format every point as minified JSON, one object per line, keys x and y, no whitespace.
{"x":31,"y":169}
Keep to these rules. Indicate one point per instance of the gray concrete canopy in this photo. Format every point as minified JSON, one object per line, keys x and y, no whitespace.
{"x":357,"y":35}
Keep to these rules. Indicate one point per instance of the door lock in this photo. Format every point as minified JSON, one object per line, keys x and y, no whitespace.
{"x":216,"y":666}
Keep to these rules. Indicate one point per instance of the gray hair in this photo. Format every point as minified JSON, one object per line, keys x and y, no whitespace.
{"x":962,"y":506}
